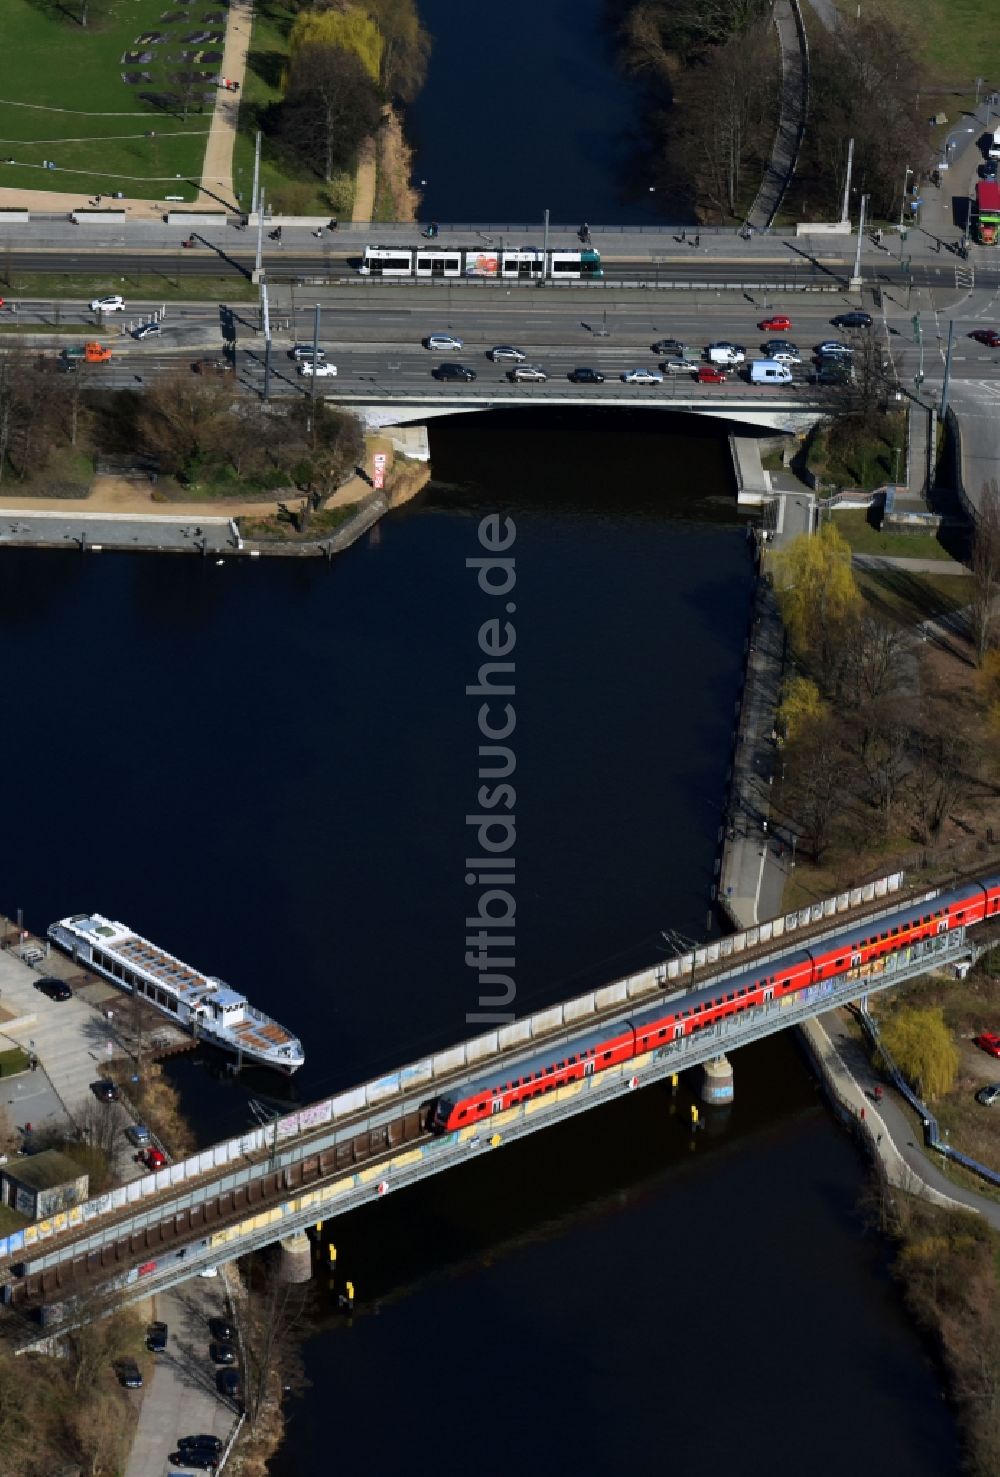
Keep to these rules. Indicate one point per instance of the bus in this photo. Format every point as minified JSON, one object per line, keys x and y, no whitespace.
{"x":524,"y":264}
{"x":988,"y":213}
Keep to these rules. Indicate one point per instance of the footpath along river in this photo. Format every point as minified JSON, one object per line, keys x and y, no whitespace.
{"x":267,"y":769}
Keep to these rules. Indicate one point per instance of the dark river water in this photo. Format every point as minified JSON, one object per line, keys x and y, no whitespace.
{"x":266,"y":767}
{"x":524,"y":110}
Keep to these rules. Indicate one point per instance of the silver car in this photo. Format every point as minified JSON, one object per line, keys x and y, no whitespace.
{"x":443,"y":341}
{"x":507,"y":351}
{"x":676,"y":366}
{"x":643,"y":377}
{"x":527,"y":372}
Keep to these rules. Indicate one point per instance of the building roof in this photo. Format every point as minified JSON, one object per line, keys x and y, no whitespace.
{"x":43,"y":1171}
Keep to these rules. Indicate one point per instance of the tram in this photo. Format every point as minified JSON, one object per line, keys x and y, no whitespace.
{"x":523,"y":264}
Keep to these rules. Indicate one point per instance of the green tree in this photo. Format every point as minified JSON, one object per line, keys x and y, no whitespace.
{"x":801,"y":705}
{"x":332,"y":104}
{"x":344,"y":30}
{"x":922,"y":1047}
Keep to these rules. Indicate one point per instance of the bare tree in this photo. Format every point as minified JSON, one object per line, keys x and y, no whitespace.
{"x":817,"y":783}
{"x":875,"y":652}
{"x":985,"y":569}
{"x":941,"y":774}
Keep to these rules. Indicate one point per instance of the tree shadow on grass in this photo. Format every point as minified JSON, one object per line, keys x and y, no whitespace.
{"x":269,"y":66}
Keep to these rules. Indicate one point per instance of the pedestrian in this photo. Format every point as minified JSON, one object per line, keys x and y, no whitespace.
{"x":684,"y":234}
{"x":697,"y":240}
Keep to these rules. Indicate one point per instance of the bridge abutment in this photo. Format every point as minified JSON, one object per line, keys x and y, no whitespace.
{"x":296,"y":1258}
{"x":717,"y":1081}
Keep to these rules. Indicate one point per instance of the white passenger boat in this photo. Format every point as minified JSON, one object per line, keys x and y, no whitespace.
{"x":205,"y":1005}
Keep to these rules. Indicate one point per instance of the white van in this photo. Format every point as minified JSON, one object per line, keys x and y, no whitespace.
{"x":769,"y":372}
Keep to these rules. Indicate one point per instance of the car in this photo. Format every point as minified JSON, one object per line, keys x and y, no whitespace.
{"x":988,"y":1041}
{"x":710,"y":374}
{"x":129,"y":1374}
{"x":775,"y":346}
{"x":668,"y":346}
{"x":212,"y":366}
{"x":229,"y":1382}
{"x":507,"y":351}
{"x":988,"y":1095}
{"x":443,"y":341}
{"x":156,"y":1337}
{"x":453,"y":372}
{"x":55,"y":989}
{"x":585,"y":376}
{"x":200,"y":1443}
{"x":319,"y":370}
{"x":195,"y":1458}
{"x":832,"y":347}
{"x":987,"y":336}
{"x":221,"y":1353}
{"x":105,"y":1091}
{"x":113,"y":303}
{"x":854,"y":319}
{"x":832,"y":373}
{"x":641,"y":377}
{"x":139,"y":1135}
{"x":146,"y":330}
{"x":153,"y":1158}
{"x":988,"y":169}
{"x":222,"y":1330}
{"x":530,"y":372}
{"x":675,"y":366}
{"x":725,"y":353}
{"x":299,"y":352}
{"x":778,"y":324}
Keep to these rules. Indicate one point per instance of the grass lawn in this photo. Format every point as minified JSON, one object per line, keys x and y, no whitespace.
{"x":13,"y":1061}
{"x":849,"y":453}
{"x":288,"y":191}
{"x":959,"y":38}
{"x":146,"y":285}
{"x":911,"y":598}
{"x":865,"y":539}
{"x":65,"y":97}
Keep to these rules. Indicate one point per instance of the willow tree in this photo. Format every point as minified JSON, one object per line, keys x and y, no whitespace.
{"x":923,"y":1049}
{"x":348,"y":30}
{"x":819,"y":598}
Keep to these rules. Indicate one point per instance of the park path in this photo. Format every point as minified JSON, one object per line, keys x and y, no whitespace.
{"x":792,"y":118}
{"x":364,"y":184}
{"x":217,"y":169}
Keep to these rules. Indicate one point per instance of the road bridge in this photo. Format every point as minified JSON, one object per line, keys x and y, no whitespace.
{"x":322,"y":1160}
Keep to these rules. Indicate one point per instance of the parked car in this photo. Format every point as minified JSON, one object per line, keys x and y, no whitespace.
{"x":139,"y":1135}
{"x":988,"y":1095}
{"x":988,"y":1041}
{"x":299,"y":352}
{"x":668,"y":346}
{"x":222,"y":1330}
{"x":55,"y":989}
{"x":778,"y":324}
{"x":153,"y":1158}
{"x":443,"y":341}
{"x":195,"y":1458}
{"x":507,"y":351}
{"x":642,"y":377}
{"x":319,"y":369}
{"x":156,"y":1337}
{"x":854,"y":319}
{"x":105,"y":1091}
{"x":129,"y":1374}
{"x":229,"y":1382}
{"x":202,"y":1443}
{"x":221,"y":1353}
{"x":987,"y":336}
{"x":585,"y":376}
{"x":113,"y":303}
{"x":529,"y":372}
{"x":710,"y":374}
{"x":146,"y":330}
{"x":453,"y":372}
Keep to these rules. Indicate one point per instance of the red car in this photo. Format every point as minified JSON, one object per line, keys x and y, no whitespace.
{"x":780,"y":324}
{"x":153,"y":1158}
{"x":988,"y":1041}
{"x":710,"y":374}
{"x":987,"y":336}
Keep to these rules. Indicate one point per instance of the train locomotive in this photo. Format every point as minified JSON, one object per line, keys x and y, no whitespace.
{"x":610,"y":1044}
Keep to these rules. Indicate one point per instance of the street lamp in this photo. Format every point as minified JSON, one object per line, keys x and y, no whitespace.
{"x":902,"y":199}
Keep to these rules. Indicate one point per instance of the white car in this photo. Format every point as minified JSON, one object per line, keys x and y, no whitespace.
{"x":443,"y":341}
{"x":642,"y":377}
{"x":317,"y":371}
{"x":677,"y":366}
{"x":113,"y":303}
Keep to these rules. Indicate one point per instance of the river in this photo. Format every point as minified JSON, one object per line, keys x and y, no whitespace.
{"x":267,"y":766}
{"x":524,"y":111}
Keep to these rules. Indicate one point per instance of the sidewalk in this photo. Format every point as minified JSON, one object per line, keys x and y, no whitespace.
{"x":792,"y":118}
{"x":217,"y":168}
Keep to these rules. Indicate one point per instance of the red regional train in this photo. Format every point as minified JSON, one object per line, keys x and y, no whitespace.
{"x":608,"y":1045}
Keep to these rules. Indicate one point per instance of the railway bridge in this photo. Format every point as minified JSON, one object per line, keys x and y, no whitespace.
{"x":322,"y":1160}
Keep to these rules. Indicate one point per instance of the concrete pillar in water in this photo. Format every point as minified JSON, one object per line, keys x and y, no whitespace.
{"x":296,"y":1258}
{"x":717,"y":1082}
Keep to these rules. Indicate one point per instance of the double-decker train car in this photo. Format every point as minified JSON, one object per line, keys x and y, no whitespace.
{"x":506,"y":1085}
{"x":524,"y":264}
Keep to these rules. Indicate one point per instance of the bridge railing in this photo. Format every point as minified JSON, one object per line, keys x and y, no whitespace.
{"x":421,"y":1077}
